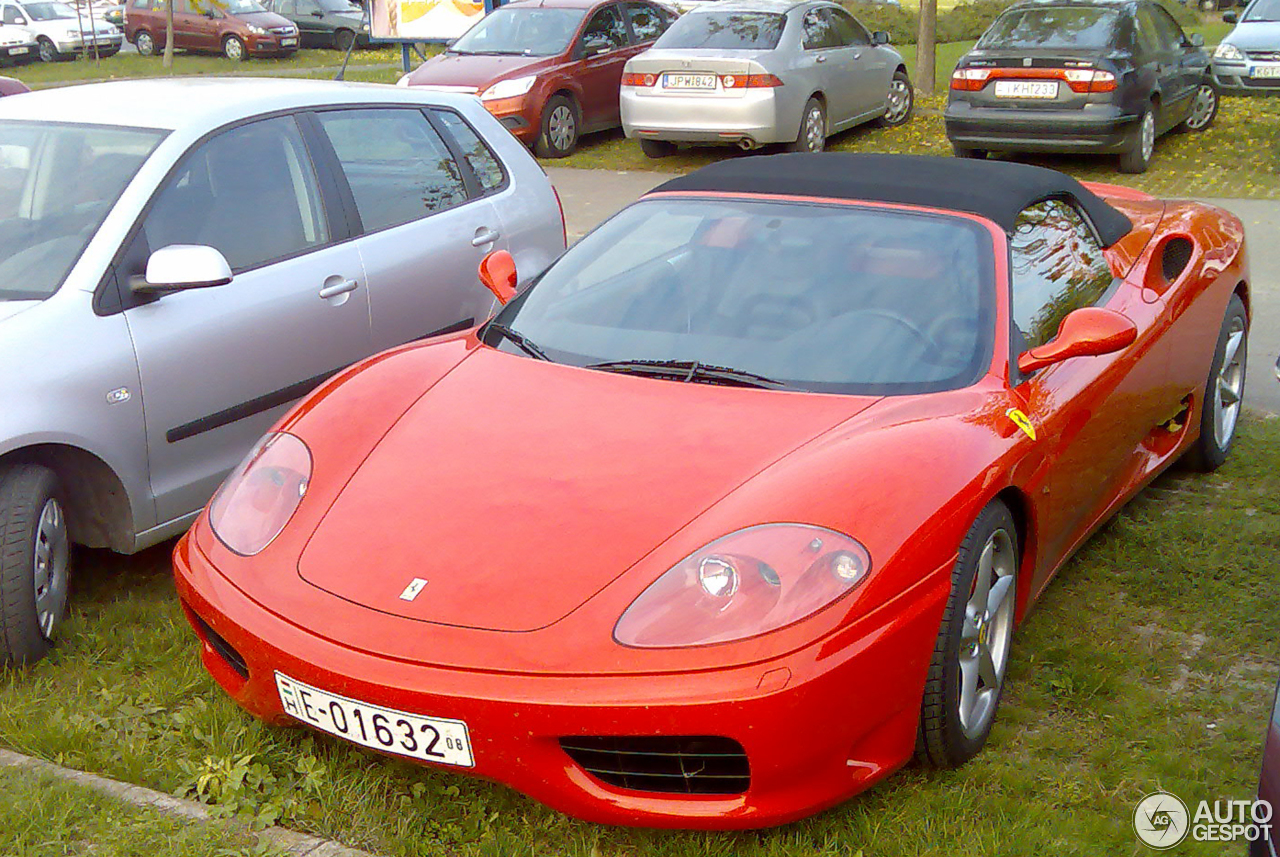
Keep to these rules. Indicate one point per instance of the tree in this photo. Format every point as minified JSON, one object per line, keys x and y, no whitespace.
{"x":926,"y":46}
{"x":168,"y":34}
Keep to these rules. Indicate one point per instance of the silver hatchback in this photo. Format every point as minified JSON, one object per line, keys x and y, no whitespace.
{"x":181,"y":260}
{"x":753,"y":72}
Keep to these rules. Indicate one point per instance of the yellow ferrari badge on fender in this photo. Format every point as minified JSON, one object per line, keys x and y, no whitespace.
{"x":1022,"y":421}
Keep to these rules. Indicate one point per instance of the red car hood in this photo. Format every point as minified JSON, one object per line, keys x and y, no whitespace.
{"x":475,"y":70}
{"x":518,"y":489}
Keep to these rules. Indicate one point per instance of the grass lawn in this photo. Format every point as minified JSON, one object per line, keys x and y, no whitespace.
{"x":44,"y":817}
{"x":1148,"y":664}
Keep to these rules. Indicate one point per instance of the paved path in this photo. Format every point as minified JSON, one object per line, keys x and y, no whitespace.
{"x":591,"y":196}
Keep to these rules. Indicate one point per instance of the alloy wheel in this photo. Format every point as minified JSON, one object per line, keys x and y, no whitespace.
{"x":52,"y":560}
{"x":1148,"y":135}
{"x":814,"y":138}
{"x":234,"y":49}
{"x":562,"y":129}
{"x":899,"y":101}
{"x":1202,"y":108}
{"x":1228,"y":389}
{"x":986,"y":634}
{"x":48,"y":53}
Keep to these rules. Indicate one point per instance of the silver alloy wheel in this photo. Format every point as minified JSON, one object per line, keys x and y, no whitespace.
{"x":1228,"y":388}
{"x":561,"y":127}
{"x":52,"y":559}
{"x":987,"y":632}
{"x":899,"y":101}
{"x":814,"y":133}
{"x":1148,"y":135}
{"x":234,"y":49}
{"x":1202,"y":107}
{"x":48,"y":53}
{"x":145,"y":46}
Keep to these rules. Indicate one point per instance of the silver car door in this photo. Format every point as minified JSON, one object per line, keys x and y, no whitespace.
{"x":219,"y":365}
{"x":868,"y":67}
{"x":825,"y":59}
{"x":426,"y":225}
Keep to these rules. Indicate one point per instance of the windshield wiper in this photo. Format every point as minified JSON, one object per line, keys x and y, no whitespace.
{"x":690,"y":370}
{"x":523,"y":342}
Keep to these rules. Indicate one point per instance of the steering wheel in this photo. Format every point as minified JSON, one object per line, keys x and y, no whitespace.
{"x":930,"y":344}
{"x":787,"y":306}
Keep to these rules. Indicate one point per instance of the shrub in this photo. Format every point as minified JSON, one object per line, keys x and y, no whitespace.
{"x":967,"y":21}
{"x":900,"y":23}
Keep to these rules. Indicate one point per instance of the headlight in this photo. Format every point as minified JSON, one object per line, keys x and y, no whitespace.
{"x":256,"y":30}
{"x":744,"y":584}
{"x":509,"y":88}
{"x":1226,"y":51}
{"x":261,"y":495}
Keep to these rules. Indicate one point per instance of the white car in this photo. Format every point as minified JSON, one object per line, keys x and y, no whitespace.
{"x":61,"y":32}
{"x":17,"y":45}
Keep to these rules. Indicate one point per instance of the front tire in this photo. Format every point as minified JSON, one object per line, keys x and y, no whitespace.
{"x":47,"y":50}
{"x":35,"y":562}
{"x":1204,"y":108}
{"x":343,"y":40}
{"x":966,"y":152}
{"x":145,"y":44}
{"x":971,"y":654}
{"x":813,"y":129}
{"x":1223,"y":391}
{"x":1137,"y":157}
{"x":558,"y":136}
{"x":898,"y":102}
{"x":234,"y":49}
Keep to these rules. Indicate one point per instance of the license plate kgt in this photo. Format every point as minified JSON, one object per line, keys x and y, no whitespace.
{"x":1266,"y":71}
{"x":1026,"y":89}
{"x":431,"y":739}
{"x":288,"y":43}
{"x":13,"y":52}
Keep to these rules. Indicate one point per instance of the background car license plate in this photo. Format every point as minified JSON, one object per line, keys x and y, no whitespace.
{"x":16,"y":51}
{"x":428,"y":738}
{"x":1266,"y":71}
{"x":688,"y":81}
{"x":288,"y":43}
{"x":1026,"y":89}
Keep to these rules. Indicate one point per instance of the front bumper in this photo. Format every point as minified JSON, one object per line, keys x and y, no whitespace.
{"x":75,"y":44}
{"x":1240,"y":77}
{"x":521,"y":115}
{"x":752,"y":116}
{"x":272,"y":45}
{"x":817,"y":725}
{"x":1005,"y":129}
{"x":19,"y":53}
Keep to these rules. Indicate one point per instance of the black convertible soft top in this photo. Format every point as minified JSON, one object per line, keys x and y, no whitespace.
{"x":996,"y":190}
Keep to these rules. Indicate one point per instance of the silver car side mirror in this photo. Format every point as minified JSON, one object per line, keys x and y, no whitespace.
{"x":184,"y":266}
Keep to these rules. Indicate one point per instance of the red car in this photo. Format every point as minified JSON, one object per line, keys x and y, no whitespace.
{"x":550,"y":70}
{"x":736,"y":508}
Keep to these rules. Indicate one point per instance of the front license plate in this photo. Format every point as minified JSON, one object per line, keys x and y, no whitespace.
{"x":1265,"y":71}
{"x":430,"y":739}
{"x":1026,"y":89}
{"x":688,"y":81}
{"x":13,"y":52}
{"x":288,"y":43}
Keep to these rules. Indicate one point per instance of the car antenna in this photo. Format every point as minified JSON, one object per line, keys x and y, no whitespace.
{"x":365,"y":23}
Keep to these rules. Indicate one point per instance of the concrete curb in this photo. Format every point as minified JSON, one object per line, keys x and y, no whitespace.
{"x":297,"y":844}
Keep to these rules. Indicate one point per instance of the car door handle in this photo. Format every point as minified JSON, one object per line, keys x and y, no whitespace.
{"x":340,"y":288}
{"x":485,"y":235}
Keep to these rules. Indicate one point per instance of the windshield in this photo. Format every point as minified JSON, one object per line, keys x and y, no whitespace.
{"x":825,"y":298}
{"x":57,"y":183}
{"x":49,"y":11}
{"x":751,"y":31}
{"x":1053,"y":27}
{"x":525,"y":31}
{"x":341,"y":6}
{"x":241,"y":7}
{"x":1263,"y":10}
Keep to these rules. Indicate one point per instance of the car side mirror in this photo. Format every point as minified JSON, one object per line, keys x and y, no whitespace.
{"x":1229,"y":18}
{"x":1197,"y":40}
{"x":317,"y":14}
{"x":19,"y":20}
{"x":498,"y":273}
{"x":1085,"y":332}
{"x":880,"y":37}
{"x":183,"y":266}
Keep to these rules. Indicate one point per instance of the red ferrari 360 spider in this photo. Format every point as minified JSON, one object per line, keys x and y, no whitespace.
{"x":737,"y":506}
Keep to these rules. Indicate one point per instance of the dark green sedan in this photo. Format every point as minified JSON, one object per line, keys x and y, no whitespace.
{"x":325,"y":23}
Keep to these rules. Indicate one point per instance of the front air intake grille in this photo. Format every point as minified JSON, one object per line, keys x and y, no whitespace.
{"x":224,"y":649}
{"x":678,"y":764}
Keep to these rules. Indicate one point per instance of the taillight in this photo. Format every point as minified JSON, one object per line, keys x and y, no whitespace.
{"x":1078,"y":79}
{"x":749,"y":81}
{"x":633,"y":79}
{"x":970,"y":79}
{"x":1090,"y":80}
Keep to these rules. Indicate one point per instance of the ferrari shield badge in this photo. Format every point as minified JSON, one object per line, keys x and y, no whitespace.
{"x":1020,"y":419}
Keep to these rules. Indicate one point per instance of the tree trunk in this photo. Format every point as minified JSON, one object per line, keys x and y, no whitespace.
{"x":926,"y":46}
{"x":168,"y":34}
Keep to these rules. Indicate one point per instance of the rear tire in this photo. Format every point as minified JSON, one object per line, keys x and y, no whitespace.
{"x":898,"y":102}
{"x":657,"y":148}
{"x":144,"y":43}
{"x":1223,"y":392}
{"x":35,"y":562}
{"x":966,"y":152}
{"x":1141,"y":146}
{"x":558,"y":136}
{"x":812,"y":136}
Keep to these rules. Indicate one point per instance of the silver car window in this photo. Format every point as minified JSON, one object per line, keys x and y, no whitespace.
{"x":397,"y":166}
{"x":483,"y":162}
{"x":1263,"y":10}
{"x":819,"y":31}
{"x":250,"y":192}
{"x":751,"y":31}
{"x":57,"y":184}
{"x":850,"y":31}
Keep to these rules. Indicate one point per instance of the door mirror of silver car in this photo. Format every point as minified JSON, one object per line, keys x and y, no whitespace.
{"x":1197,"y":40}
{"x":1229,"y":18}
{"x":498,"y":273}
{"x":183,"y":266}
{"x":880,"y":37}
{"x":1086,"y":332}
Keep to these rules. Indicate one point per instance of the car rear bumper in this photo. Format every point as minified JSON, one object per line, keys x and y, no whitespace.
{"x":752,"y":116}
{"x":817,"y":725}
{"x":1007,"y":129}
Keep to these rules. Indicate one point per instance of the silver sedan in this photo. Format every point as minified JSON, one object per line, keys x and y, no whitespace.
{"x":752,"y":72}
